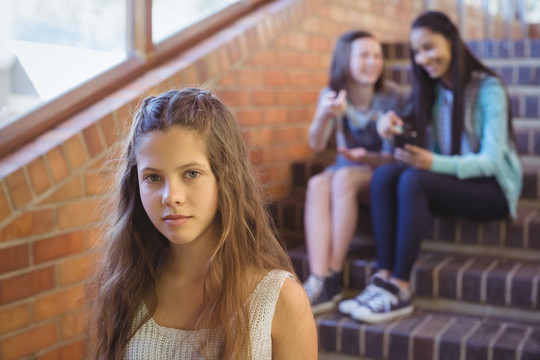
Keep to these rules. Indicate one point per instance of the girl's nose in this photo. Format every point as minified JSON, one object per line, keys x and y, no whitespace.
{"x":173,"y":195}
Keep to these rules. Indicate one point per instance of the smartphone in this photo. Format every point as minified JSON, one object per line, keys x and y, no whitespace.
{"x":407,"y":136}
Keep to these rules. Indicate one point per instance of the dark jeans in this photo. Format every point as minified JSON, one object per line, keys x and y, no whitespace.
{"x":404,"y":198}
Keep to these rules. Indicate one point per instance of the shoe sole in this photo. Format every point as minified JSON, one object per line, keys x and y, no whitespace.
{"x":327,"y":306}
{"x":380,"y":318}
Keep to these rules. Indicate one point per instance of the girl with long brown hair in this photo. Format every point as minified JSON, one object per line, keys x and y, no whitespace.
{"x":192,"y":266}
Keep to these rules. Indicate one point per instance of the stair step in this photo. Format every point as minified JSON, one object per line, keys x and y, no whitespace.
{"x":507,"y":283}
{"x":429,"y":335}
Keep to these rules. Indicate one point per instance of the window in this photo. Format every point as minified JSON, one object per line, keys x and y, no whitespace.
{"x":48,"y":47}
{"x":59,"y":56}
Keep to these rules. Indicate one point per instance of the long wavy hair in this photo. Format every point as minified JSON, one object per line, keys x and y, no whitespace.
{"x":340,"y":67}
{"x":462,"y":64}
{"x":135,"y":249}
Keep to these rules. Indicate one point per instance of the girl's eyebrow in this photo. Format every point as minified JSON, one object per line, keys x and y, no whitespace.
{"x":180,"y":167}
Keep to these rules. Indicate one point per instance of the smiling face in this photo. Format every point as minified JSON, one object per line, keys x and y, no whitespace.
{"x":432,"y":51}
{"x":178,"y":189}
{"x":366,"y":63}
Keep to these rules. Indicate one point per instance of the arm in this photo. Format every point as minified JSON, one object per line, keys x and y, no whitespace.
{"x":493,"y":105}
{"x":294,"y":335}
{"x":330,"y":105}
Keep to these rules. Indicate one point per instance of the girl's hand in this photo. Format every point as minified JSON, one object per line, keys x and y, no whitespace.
{"x":361,"y":155}
{"x":389,"y":125}
{"x":334,"y":105}
{"x":415,"y":156}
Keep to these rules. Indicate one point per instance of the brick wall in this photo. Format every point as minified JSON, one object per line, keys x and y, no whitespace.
{"x":269,"y":67}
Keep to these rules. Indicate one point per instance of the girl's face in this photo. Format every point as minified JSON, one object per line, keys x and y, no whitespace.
{"x":366,"y":63}
{"x":178,"y":189}
{"x":432,"y":51}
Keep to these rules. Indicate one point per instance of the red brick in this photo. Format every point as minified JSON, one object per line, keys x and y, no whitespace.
{"x":25,"y":285}
{"x":108,"y":129}
{"x":75,"y":151}
{"x":288,"y":97}
{"x":29,"y":342}
{"x":38,"y":175}
{"x":278,"y":172}
{"x":58,"y":303}
{"x":287,"y":135}
{"x":260,"y":137}
{"x":310,"y":61}
{"x":298,"y":41}
{"x":74,"y":324}
{"x":275,"y":116}
{"x":297,"y":78}
{"x":298,"y":151}
{"x":228,"y":80}
{"x":18,"y":189}
{"x":28,"y":224}
{"x":309,"y":97}
{"x":249,"y":77}
{"x":76,"y":350}
{"x":234,"y":97}
{"x":14,"y":258}
{"x":93,"y":140}
{"x":318,"y":43}
{"x":5,"y":210}
{"x":191,"y":75}
{"x":95,"y":184}
{"x":249,"y":117}
{"x":74,"y":270}
{"x":223,"y":58}
{"x":73,"y":189}
{"x":262,"y":97}
{"x":256,"y":157}
{"x":94,"y":238}
{"x":58,"y":246}
{"x":58,"y":164}
{"x":319,"y":79}
{"x":264,"y":58}
{"x":303,"y":116}
{"x":275,"y":78}
{"x":288,"y":59}
{"x":13,"y":318}
{"x":80,"y":213}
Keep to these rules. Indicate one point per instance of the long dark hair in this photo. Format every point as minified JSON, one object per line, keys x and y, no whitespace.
{"x":340,"y":73}
{"x":462,"y":65}
{"x":134,"y":249}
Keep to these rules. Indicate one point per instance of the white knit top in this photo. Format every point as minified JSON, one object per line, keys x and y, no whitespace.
{"x":153,"y":341}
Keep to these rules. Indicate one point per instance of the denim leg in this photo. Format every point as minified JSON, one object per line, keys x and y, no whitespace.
{"x":422,"y":193}
{"x":413,"y":217}
{"x":383,"y":211}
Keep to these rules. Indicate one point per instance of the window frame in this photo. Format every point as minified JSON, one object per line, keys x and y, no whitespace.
{"x":142,"y":55}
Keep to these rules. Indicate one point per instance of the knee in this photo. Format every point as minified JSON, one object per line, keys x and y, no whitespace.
{"x":344,"y":181}
{"x":385,"y":178}
{"x":318,"y":184}
{"x":411,"y":181}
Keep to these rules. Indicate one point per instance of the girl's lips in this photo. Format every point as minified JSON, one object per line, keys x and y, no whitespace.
{"x":176,"y":220}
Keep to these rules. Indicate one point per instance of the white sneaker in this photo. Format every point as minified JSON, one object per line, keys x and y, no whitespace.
{"x":347,"y":306}
{"x":385,"y":306}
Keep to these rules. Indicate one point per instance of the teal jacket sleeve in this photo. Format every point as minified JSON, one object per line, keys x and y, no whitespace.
{"x":491,"y":125}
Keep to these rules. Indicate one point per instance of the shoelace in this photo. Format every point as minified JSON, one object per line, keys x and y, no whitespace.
{"x":370,"y":291}
{"x":382,"y":301}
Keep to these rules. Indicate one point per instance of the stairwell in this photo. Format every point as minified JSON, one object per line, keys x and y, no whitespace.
{"x":476,"y":284}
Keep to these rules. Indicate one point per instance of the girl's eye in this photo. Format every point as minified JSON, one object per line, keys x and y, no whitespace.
{"x":192,"y":174}
{"x":152,"y":178}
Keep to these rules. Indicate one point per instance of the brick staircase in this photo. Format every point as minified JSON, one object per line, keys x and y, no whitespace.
{"x":476,"y":284}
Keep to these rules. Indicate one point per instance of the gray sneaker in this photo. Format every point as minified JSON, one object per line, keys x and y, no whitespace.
{"x":389,"y":304}
{"x":323,"y":292}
